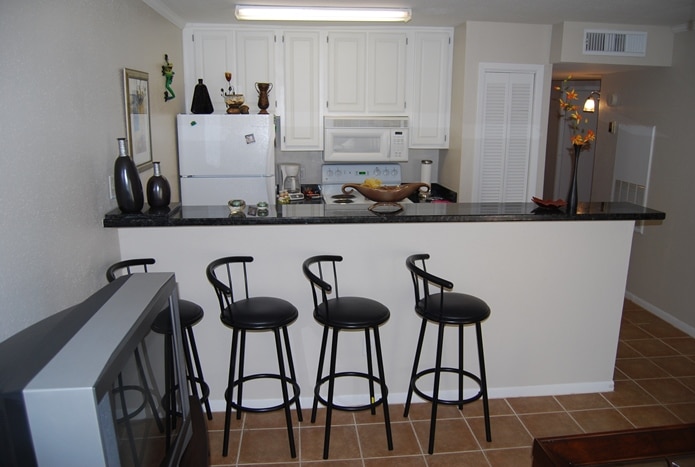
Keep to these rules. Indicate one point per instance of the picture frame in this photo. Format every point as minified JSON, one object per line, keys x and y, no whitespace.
{"x":136,"y":91}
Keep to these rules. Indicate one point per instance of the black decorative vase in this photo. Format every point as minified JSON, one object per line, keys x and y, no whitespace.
{"x":127,"y":181}
{"x":572,"y":197}
{"x":158,"y":189}
{"x":201,"y":99}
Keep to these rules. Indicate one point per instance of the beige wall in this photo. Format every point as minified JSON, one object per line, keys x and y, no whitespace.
{"x":476,"y":43}
{"x":662,"y":265}
{"x":62,"y":110}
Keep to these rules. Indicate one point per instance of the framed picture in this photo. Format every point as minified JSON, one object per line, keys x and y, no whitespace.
{"x":136,"y":89}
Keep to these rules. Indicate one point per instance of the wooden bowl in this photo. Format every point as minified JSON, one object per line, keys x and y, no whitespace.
{"x":387,"y":193}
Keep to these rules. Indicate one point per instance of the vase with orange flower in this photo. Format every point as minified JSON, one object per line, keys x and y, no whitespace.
{"x":581,"y":137}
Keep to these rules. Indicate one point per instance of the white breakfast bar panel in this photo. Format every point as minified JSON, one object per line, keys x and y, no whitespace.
{"x":555,"y":289}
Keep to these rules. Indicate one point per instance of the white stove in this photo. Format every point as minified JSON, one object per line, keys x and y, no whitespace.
{"x":333,"y":176}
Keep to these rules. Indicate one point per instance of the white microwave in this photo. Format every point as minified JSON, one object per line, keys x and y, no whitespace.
{"x":365,"y":139}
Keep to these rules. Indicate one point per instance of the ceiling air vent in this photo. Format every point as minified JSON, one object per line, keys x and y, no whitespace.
{"x":619,"y":43}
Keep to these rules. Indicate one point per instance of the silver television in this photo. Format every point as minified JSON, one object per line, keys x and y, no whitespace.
{"x":92,"y":385}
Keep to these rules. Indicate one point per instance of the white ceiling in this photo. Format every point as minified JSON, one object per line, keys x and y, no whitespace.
{"x":673,"y":13}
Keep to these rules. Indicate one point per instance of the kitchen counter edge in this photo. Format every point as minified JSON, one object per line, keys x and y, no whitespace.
{"x":318,"y":213}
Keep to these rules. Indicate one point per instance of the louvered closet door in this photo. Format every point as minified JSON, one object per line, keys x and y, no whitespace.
{"x":505,"y":145}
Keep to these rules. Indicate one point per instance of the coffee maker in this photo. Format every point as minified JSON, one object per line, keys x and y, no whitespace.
{"x":290,"y":181}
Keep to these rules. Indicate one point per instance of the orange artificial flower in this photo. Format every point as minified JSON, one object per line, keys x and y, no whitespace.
{"x":570,"y":112}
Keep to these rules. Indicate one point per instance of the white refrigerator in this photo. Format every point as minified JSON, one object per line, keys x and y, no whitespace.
{"x":225,"y":157}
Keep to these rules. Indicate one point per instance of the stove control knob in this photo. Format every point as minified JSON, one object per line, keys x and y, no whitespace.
{"x":394,"y":172}
{"x":377,"y":172}
{"x":338,"y":173}
{"x":330,"y":173}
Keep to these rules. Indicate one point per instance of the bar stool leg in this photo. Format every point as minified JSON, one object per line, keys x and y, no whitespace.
{"x":331,"y":388}
{"x":460,"y":375}
{"x":285,"y":398}
{"x":199,"y":371}
{"x":370,"y":369}
{"x":290,"y":362}
{"x":242,"y":357}
{"x":418,"y":352}
{"x":435,"y":391}
{"x":229,"y":393}
{"x":483,"y":381}
{"x":319,"y":371}
{"x":384,"y":389}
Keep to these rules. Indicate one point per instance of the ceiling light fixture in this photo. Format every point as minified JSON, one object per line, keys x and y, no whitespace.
{"x":281,"y":13}
{"x":590,"y":103}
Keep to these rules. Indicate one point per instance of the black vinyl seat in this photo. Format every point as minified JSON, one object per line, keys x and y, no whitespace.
{"x":345,"y":314}
{"x":446,"y":308}
{"x":190,"y":314}
{"x":242,"y":313}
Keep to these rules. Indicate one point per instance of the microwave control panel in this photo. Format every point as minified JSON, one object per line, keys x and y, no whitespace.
{"x":399,"y":145}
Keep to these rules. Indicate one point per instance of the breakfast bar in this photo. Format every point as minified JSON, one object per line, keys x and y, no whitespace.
{"x":555,"y":283}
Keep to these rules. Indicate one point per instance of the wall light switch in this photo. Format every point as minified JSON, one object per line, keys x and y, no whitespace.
{"x":612,"y":127}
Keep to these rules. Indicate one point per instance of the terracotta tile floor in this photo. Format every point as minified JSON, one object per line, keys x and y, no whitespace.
{"x":654,"y":385}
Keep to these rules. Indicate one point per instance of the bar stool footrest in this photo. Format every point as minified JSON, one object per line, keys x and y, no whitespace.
{"x":351,"y":408}
{"x":456,"y":371}
{"x":242,"y":408}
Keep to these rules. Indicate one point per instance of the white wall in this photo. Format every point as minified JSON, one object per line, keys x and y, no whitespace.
{"x":62,"y":110}
{"x":662,"y":265}
{"x":478,"y":42}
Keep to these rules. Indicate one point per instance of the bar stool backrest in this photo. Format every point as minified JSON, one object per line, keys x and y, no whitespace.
{"x":127,"y":267}
{"x":222,"y":273}
{"x":320,"y":270}
{"x":422,"y":280}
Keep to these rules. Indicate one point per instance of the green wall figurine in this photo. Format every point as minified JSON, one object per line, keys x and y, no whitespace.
{"x":168,"y":73}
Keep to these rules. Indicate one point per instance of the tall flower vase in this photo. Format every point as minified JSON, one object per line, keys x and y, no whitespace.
{"x":127,"y":182}
{"x":158,"y":189}
{"x":572,"y":197}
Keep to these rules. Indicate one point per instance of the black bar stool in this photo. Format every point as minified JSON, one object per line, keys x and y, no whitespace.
{"x":345,"y":314}
{"x":444,"y":309}
{"x":242,"y":313}
{"x":190,"y":314}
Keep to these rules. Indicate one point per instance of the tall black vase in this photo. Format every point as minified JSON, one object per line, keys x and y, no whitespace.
{"x":158,"y":189}
{"x":201,"y":99}
{"x":572,"y":196}
{"x":127,"y":181}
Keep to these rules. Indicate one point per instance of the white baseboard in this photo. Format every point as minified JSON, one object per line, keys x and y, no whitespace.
{"x":493,"y":393}
{"x":686,"y":328}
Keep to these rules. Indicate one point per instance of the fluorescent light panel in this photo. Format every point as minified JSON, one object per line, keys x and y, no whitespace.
{"x":281,"y":13}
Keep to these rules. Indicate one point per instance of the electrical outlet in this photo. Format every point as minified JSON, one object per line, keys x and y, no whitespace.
{"x":112,"y":187}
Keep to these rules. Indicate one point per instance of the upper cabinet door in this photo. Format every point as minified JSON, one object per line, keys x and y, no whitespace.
{"x":300,"y":115}
{"x":213,"y":53}
{"x":346,"y":72}
{"x":386,"y":72}
{"x":430,"y":107}
{"x":366,"y":72}
{"x":255,"y":63}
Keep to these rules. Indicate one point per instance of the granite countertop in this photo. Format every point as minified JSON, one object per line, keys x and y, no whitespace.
{"x":316,"y":212}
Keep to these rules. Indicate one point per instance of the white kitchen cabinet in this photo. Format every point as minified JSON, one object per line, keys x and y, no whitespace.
{"x":213,"y":54}
{"x":366,"y":72}
{"x":317,"y":71}
{"x":248,"y":54}
{"x":430,"y":91}
{"x":255,"y":63}
{"x":301,"y":128}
